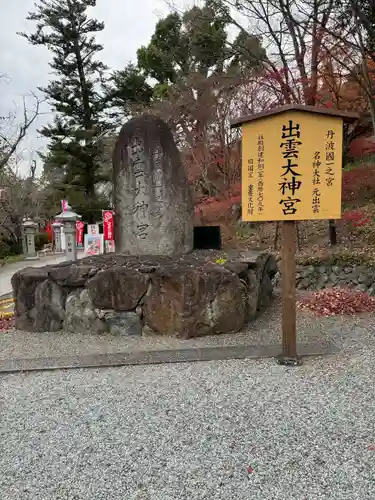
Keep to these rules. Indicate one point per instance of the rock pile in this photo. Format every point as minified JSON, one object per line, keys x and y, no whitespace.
{"x":317,"y":277}
{"x":186,"y":296}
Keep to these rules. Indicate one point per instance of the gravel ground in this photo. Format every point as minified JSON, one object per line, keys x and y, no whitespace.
{"x":190,"y":432}
{"x":265,"y":331}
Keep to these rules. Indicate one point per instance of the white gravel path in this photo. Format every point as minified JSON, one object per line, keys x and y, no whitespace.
{"x":7,"y":271}
{"x":266,"y":330}
{"x":190,"y":431}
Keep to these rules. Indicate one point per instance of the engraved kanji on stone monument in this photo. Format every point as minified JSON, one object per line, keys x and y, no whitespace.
{"x":153,"y":204}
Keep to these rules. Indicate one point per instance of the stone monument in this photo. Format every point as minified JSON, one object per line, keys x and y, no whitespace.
{"x":69,"y":218}
{"x":153,"y":203}
{"x":56,"y":226}
{"x":30,"y":228}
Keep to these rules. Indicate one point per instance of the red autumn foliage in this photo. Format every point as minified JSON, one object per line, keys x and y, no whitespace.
{"x":334,"y":301}
{"x":358,"y":184}
{"x":356,"y":218}
{"x":212,"y":209}
{"x":6,"y":324}
{"x":362,"y":146}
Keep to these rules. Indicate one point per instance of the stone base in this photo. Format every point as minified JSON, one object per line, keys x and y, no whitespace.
{"x":36,"y":257}
{"x":203,"y":293}
{"x":154,"y":356}
{"x":289,"y":361}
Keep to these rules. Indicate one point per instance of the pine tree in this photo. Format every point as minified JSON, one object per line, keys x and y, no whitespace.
{"x":67,"y":31}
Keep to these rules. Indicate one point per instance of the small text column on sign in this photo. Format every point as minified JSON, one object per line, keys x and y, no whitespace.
{"x":260,"y":174}
{"x":330,"y":157}
{"x":250,"y":189}
{"x":316,"y":182}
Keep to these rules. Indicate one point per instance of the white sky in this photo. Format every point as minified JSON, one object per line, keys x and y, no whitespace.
{"x":128,"y":25}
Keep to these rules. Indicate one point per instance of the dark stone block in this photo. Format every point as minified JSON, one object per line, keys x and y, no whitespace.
{"x":207,"y":238}
{"x":124,"y":323}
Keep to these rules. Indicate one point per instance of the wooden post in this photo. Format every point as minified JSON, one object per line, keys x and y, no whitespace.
{"x":288,"y":287}
{"x":332,"y":232}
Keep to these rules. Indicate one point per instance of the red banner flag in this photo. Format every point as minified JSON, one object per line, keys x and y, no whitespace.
{"x":108,"y":225}
{"x":79,"y":232}
{"x":49,"y":231}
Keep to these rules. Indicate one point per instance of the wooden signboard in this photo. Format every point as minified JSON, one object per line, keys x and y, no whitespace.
{"x":291,"y":171}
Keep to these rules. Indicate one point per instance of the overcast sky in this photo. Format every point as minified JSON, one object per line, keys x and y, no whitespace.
{"x":128,"y":25}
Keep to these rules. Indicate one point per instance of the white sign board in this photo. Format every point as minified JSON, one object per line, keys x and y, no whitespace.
{"x":93,"y":229}
{"x":94,"y":244}
{"x":109,"y":246}
{"x":63,"y":239}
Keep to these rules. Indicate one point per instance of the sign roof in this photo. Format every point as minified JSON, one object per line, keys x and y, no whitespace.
{"x":345,"y":115}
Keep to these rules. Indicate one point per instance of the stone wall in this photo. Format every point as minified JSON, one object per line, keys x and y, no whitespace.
{"x":198,"y":294}
{"x":318,"y":276}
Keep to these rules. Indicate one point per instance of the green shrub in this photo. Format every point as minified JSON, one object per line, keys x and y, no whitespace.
{"x":5,"y":249}
{"x":41,"y":239}
{"x":15,"y":248}
{"x":9,"y":248}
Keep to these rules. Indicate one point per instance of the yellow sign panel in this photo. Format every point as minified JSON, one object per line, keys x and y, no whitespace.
{"x":291,"y":167}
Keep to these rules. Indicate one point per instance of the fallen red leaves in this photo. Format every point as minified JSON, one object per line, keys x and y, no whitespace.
{"x":356,"y":218}
{"x":333,"y":301}
{"x":6,"y":324}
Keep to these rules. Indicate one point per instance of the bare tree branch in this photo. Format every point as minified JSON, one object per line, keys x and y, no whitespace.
{"x":8,"y":144}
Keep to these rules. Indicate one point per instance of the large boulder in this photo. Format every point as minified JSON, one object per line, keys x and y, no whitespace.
{"x":81,"y":316}
{"x":49,"y":306}
{"x":191,"y":302}
{"x":24,"y":284}
{"x":262,"y":267}
{"x":118,"y":288}
{"x":72,"y":275}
